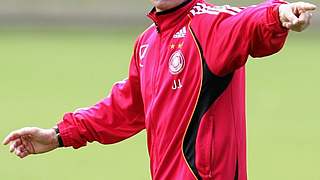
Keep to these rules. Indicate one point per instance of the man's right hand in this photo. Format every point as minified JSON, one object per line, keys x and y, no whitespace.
{"x":31,"y":140}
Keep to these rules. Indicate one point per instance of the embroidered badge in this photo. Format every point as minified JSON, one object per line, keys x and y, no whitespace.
{"x":176,"y":62}
{"x":142,"y":53}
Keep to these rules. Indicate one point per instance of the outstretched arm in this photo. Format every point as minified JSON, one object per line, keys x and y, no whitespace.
{"x":258,"y":31}
{"x":292,"y":16}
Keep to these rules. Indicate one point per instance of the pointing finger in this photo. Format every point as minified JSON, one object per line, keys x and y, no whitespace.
{"x":306,"y":7}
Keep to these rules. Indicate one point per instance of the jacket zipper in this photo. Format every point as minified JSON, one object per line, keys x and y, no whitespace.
{"x":153,"y":84}
{"x":155,"y":71}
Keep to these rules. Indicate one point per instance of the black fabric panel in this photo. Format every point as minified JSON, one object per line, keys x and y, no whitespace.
{"x":236,"y":176}
{"x":212,"y":87}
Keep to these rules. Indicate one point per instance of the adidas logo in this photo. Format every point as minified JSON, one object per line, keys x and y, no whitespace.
{"x":181,"y":34}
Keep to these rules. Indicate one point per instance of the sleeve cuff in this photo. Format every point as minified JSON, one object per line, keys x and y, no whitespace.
{"x":275,"y":23}
{"x":69,"y":132}
{"x":64,"y":134}
{"x":56,"y":129}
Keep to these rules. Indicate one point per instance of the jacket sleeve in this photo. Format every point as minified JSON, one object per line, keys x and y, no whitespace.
{"x":113,"y":119}
{"x":255,"y":31}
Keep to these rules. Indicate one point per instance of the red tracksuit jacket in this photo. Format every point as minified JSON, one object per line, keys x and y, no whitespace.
{"x":186,"y":87}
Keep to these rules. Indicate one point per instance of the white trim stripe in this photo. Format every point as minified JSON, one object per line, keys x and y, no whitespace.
{"x":202,"y":8}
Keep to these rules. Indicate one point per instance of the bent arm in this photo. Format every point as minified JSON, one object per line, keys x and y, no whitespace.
{"x":115,"y":118}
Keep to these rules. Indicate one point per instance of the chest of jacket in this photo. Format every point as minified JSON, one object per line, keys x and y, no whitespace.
{"x":170,"y":74}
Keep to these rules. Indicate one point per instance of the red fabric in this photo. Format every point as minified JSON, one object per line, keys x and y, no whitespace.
{"x":162,"y":101}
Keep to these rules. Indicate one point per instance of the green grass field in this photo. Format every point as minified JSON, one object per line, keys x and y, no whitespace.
{"x":44,"y":74}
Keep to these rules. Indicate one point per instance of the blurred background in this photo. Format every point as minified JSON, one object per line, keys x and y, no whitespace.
{"x":58,"y":55}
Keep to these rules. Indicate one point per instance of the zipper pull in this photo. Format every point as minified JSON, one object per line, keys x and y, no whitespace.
{"x":158,"y":28}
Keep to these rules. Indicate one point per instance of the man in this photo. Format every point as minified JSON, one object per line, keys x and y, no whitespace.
{"x":185,"y":87}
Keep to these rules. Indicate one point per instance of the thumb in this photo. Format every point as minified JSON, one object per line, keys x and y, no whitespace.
{"x":293,"y":19}
{"x":18,"y":133}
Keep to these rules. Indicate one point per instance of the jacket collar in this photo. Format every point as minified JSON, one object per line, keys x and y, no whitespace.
{"x":166,"y":19}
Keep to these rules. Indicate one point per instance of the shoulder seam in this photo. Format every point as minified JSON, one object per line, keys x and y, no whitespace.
{"x":145,"y":31}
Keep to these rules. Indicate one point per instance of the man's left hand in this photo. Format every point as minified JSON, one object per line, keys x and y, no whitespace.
{"x":296,"y":16}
